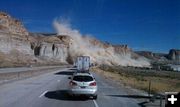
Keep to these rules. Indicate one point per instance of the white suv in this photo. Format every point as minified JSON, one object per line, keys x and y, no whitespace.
{"x":83,"y":84}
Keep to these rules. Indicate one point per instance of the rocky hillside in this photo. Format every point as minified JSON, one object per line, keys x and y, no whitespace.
{"x":49,"y":47}
{"x":18,"y":47}
{"x":11,"y":25}
{"x":172,"y":57}
{"x":174,"y":54}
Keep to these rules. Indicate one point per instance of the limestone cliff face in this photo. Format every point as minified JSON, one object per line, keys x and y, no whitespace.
{"x":11,"y":25}
{"x":119,"y":49}
{"x":13,"y":35}
{"x":55,"y":51}
{"x":10,"y":42}
{"x":19,"y":46}
{"x":14,"y":39}
{"x":48,"y":47}
{"x":122,"y":49}
{"x":40,"y":48}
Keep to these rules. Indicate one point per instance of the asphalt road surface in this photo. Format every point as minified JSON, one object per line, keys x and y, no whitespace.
{"x":50,"y":90}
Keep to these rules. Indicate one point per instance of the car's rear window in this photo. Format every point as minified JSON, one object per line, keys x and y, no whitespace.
{"x":83,"y":78}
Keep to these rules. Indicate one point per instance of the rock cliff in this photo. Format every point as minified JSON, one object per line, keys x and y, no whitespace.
{"x":11,"y":25}
{"x":17,"y":45}
{"x":49,"y":47}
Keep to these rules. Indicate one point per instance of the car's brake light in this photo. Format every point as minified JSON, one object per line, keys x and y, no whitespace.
{"x":72,"y":83}
{"x":92,"y":84}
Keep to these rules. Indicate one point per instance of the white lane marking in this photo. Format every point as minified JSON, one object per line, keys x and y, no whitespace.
{"x":43,"y":94}
{"x":58,"y":80}
{"x":95,"y":103}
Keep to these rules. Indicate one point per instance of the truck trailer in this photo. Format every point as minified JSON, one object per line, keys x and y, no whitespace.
{"x":82,"y":63}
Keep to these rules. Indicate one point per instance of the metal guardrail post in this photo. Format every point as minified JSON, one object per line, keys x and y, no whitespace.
{"x":31,"y":73}
{"x":160,"y":101}
{"x":149,"y":89}
{"x":18,"y":75}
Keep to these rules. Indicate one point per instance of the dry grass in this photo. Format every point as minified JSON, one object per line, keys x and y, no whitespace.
{"x":15,"y":59}
{"x":160,"y":82}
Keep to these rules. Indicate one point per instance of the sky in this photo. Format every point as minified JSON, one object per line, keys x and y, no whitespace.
{"x":150,"y":25}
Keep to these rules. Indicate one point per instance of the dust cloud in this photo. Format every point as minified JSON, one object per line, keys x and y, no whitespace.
{"x":81,"y":45}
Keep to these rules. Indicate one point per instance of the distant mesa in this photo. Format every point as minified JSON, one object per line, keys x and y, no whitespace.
{"x":174,"y":54}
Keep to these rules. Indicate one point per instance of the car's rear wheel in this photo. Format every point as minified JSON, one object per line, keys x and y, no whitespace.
{"x":94,"y":97}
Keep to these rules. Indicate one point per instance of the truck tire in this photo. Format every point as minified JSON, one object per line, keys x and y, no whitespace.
{"x":95,"y":97}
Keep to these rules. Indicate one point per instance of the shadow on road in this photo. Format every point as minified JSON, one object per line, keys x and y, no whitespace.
{"x":142,"y":104}
{"x":131,"y":96}
{"x":65,"y":73}
{"x":148,"y":99}
{"x":63,"y":95}
{"x":74,"y":69}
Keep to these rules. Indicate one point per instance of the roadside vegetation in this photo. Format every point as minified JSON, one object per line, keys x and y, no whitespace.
{"x":160,"y":81}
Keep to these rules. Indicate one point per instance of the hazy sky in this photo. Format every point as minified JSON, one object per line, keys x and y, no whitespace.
{"x":152,"y":25}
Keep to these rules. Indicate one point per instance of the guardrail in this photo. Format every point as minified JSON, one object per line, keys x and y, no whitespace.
{"x":11,"y":76}
{"x":158,"y":96}
{"x":155,"y":96}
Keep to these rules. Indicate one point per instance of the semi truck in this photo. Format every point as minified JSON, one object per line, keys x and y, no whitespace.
{"x":82,"y":63}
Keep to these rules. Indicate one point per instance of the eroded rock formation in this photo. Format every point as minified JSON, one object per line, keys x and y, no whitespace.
{"x":11,"y":25}
{"x":32,"y":47}
{"x":174,"y":54}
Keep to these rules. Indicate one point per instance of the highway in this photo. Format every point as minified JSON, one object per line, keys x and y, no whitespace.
{"x":49,"y":90}
{"x":22,"y":69}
